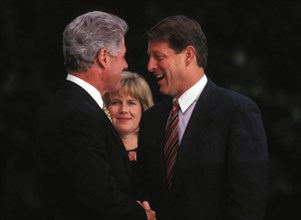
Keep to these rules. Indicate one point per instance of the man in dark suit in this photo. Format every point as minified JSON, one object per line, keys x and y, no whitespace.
{"x":83,"y":167}
{"x":216,"y":167}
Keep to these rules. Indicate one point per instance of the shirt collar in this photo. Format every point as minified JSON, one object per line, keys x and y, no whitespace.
{"x":88,"y":87}
{"x":192,"y":94}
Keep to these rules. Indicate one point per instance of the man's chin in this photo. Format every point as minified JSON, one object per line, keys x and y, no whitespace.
{"x":116,"y":89}
{"x":163,"y":91}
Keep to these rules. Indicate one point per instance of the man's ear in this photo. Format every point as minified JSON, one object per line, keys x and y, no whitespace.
{"x":103,"y":57}
{"x":189,"y":54}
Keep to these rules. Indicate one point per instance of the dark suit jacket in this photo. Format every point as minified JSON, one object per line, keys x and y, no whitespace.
{"x":83,"y":166}
{"x":221,"y":168}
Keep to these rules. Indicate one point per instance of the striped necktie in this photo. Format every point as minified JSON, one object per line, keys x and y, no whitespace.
{"x":171,"y":142}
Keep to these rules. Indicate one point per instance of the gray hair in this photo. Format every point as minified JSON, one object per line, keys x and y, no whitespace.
{"x":87,"y":34}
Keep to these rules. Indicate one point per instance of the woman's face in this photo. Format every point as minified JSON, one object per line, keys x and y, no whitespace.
{"x":125,"y":112}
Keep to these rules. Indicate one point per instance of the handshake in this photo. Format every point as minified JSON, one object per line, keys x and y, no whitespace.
{"x":151,"y":214}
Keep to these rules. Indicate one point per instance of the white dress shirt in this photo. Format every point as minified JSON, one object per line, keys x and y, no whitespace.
{"x":88,"y":87}
{"x":187,"y":103}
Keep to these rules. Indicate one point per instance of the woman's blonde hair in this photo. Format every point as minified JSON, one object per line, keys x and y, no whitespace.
{"x":135,"y":86}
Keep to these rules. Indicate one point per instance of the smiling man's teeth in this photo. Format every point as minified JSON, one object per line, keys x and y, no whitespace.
{"x":159,"y":76}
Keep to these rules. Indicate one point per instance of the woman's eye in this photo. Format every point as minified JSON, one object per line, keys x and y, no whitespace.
{"x":115,"y":103}
{"x":132,"y":103}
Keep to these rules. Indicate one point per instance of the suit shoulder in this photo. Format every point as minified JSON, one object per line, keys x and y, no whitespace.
{"x":228,"y":96}
{"x":70,"y":103}
{"x":157,"y":108}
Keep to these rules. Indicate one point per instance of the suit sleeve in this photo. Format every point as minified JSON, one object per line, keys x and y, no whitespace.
{"x":247,"y":164}
{"x":83,"y":156}
{"x":142,"y":180}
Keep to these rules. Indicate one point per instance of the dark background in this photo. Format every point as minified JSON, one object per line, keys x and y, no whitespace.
{"x":253,"y":49}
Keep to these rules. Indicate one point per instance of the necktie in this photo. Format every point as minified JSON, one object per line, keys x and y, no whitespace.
{"x":106,"y":111}
{"x":171,"y":142}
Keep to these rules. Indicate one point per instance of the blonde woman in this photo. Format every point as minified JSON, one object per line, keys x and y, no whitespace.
{"x":126,"y":107}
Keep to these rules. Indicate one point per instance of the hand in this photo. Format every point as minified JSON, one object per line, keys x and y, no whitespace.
{"x":151,"y":215}
{"x":145,"y":205}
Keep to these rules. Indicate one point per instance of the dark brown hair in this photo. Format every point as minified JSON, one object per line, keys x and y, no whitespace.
{"x":179,"y":32}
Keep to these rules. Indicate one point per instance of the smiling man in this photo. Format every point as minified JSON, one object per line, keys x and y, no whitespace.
{"x":202,"y":152}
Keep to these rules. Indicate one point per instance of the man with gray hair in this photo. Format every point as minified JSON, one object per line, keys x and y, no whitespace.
{"x":84,"y":171}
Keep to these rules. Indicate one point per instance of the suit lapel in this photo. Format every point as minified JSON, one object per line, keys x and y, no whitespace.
{"x":164,"y":117}
{"x":154,"y":136}
{"x":103,"y":118}
{"x":195,"y":130}
{"x":118,"y":141}
{"x":159,"y":118}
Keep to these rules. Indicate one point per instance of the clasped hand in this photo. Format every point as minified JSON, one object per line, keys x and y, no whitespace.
{"x":151,"y":214}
